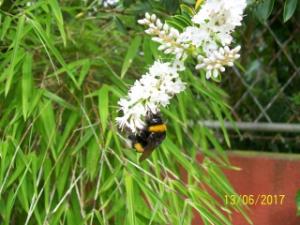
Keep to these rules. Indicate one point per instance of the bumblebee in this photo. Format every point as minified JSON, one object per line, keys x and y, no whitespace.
{"x":150,"y":137}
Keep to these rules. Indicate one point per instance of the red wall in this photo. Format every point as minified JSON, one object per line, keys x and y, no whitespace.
{"x":272,"y":174}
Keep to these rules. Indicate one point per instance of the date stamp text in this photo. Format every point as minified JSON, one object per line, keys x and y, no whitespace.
{"x":250,"y":200}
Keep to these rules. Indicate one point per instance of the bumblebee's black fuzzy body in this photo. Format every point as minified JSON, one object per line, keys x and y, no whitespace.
{"x":150,"y":137}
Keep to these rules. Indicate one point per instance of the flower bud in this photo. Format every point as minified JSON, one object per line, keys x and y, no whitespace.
{"x":159,"y":24}
{"x":153,"y":17}
{"x":147,"y":15}
{"x":166,"y":27}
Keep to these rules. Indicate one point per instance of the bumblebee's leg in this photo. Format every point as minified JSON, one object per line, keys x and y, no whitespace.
{"x":136,"y":144}
{"x":138,"y":147}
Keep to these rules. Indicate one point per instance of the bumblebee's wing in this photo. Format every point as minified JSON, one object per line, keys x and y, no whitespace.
{"x":147,"y":152}
{"x":153,"y":141}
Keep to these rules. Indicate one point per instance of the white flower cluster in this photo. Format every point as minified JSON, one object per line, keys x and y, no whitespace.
{"x":217,"y":60}
{"x":219,"y":18}
{"x":208,"y":38}
{"x":153,"y":90}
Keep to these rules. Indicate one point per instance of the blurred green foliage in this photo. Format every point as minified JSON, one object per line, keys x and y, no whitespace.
{"x":264,"y":8}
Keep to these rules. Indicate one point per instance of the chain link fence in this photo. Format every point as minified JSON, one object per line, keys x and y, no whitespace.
{"x":265,"y":91}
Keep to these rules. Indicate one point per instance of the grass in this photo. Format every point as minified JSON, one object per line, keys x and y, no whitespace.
{"x":62,"y":159}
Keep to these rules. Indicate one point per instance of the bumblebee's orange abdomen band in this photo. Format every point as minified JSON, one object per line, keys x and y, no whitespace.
{"x":138,"y":147}
{"x":159,"y":128}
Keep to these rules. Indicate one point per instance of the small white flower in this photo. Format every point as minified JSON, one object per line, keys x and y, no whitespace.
{"x":178,"y":65}
{"x":109,"y":3}
{"x":30,"y":3}
{"x":194,"y":35}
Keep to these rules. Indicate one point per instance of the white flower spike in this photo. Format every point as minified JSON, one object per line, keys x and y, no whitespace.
{"x":153,"y":90}
{"x":167,"y":36}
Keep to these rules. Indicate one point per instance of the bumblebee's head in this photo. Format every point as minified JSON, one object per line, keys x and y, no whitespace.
{"x":155,"y":120}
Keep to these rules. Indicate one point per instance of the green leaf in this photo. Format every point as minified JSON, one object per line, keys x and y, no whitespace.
{"x":16,"y":173}
{"x":120,"y":25}
{"x":27,"y":84}
{"x":36,"y":96}
{"x":108,"y":182}
{"x":289,"y":9}
{"x":220,"y":118}
{"x":23,"y":195}
{"x":264,"y":9}
{"x":64,"y":176}
{"x":118,"y":206}
{"x":131,"y":218}
{"x":47,"y":165}
{"x":84,"y":71}
{"x":16,"y":51}
{"x":93,"y":155}
{"x":131,"y":54}
{"x":186,"y":10}
{"x":48,"y":120}
{"x":87,"y":136}
{"x":178,"y":131}
{"x":175,"y":151}
{"x":170,"y":5}
{"x":9,"y":203}
{"x":55,"y":218}
{"x":59,"y":18}
{"x":180,"y":22}
{"x":206,"y":214}
{"x":103,"y":106}
{"x":59,"y":100}
{"x":209,"y":203}
{"x":70,"y":124}
{"x":147,"y":51}
{"x":5,"y":26}
{"x":48,"y":44}
{"x":114,"y":76}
